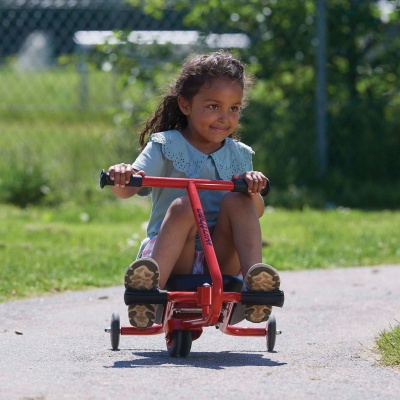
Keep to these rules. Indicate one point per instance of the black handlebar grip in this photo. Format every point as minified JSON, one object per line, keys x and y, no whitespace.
{"x":240,"y":185}
{"x":266,"y":190}
{"x":105,"y":180}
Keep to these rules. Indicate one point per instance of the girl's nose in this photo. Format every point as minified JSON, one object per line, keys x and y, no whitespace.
{"x":223,"y":115}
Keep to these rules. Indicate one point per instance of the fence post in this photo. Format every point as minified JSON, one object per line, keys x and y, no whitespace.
{"x":321,"y":100}
{"x":83,"y":71}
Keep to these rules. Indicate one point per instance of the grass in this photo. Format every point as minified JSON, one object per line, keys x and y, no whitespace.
{"x":388,"y":344}
{"x":326,"y":239}
{"x":45,"y":250}
{"x":69,"y":248}
{"x":48,"y":132}
{"x":65,"y":157}
{"x":56,"y":89}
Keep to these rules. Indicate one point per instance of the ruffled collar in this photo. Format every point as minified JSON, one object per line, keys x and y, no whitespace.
{"x":232,"y":158}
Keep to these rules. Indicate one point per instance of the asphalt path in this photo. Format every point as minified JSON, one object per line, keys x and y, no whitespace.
{"x":55,"y":347}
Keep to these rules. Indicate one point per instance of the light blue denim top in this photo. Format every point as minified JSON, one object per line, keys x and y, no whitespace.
{"x":170,"y":154}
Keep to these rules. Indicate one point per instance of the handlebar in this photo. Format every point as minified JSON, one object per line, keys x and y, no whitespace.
{"x":237,"y":185}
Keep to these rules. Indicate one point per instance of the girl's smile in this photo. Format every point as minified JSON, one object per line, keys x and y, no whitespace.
{"x":212,"y":114}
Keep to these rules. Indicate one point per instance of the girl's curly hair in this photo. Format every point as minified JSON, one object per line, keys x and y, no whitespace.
{"x":196,"y":71}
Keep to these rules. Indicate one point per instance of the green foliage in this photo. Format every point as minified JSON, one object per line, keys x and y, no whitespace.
{"x":74,"y":135}
{"x":62,"y":163}
{"x":24,"y":185}
{"x":54,"y":143}
{"x":297,"y":197}
{"x":141,"y":71}
{"x":362,"y":69}
{"x":154,"y":7}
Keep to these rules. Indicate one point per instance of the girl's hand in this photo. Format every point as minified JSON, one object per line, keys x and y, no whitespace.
{"x":121,"y":174}
{"x":256,"y":181}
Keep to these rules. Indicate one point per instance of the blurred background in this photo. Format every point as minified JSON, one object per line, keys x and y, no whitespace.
{"x":79,"y":77}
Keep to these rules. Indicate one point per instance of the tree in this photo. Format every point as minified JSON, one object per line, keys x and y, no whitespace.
{"x":363,"y":85}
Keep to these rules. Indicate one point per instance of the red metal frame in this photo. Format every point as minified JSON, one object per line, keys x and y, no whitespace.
{"x":212,"y":299}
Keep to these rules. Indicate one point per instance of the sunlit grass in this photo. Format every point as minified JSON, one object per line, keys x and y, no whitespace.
{"x":66,"y":249}
{"x":388,"y":344}
{"x":327,"y":239}
{"x":72,"y":247}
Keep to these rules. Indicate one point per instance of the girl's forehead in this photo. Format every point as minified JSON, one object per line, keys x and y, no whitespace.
{"x":221,"y":85}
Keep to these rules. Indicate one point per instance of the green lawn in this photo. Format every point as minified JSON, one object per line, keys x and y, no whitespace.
{"x":57,"y":89}
{"x":52,"y":250}
{"x":45,"y":250}
{"x":336,"y":238}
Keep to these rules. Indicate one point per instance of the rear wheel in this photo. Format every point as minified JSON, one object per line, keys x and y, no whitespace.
{"x":271,"y":333}
{"x":115,"y":331}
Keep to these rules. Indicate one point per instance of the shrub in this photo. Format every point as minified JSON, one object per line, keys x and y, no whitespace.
{"x":24,"y":186}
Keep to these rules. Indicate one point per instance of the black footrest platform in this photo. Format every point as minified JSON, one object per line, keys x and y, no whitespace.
{"x":275,"y":298}
{"x":187,"y":283}
{"x":145,"y":297}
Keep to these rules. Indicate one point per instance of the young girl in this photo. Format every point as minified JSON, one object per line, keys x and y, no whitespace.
{"x":191,"y":135}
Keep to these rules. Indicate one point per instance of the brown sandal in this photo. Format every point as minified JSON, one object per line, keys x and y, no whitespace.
{"x":142,"y":274}
{"x":261,"y":278}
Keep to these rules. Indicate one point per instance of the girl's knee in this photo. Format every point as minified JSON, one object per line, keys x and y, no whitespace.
{"x":180,"y":206}
{"x":181,"y":202}
{"x":235,"y":201}
{"x":180,"y":214}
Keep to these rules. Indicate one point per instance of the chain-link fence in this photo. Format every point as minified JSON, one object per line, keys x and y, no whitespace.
{"x":57,"y":105}
{"x":70,"y":100}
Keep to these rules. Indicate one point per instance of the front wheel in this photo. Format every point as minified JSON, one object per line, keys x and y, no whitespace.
{"x":179,"y":343}
{"x":271,"y":333}
{"x":174,"y":343}
{"x":186,"y":343}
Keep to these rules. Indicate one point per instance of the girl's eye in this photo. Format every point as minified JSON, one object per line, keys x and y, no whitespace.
{"x":235,"y":109}
{"x":213,"y":107}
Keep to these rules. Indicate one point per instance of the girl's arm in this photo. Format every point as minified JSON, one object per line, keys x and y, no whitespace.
{"x":121,"y":174}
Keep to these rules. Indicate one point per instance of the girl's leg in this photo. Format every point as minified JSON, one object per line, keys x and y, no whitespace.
{"x":174,"y":251}
{"x":237,"y":241}
{"x":175,"y":244}
{"x":237,"y":235}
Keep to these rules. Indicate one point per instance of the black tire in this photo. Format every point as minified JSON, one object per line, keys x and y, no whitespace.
{"x":186,"y":343}
{"x":174,"y":345}
{"x":115,"y":331}
{"x":271,"y":333}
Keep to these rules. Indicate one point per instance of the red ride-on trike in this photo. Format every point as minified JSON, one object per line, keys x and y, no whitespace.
{"x":192,"y":302}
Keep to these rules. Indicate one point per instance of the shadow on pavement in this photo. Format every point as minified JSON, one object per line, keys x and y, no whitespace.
{"x":205,"y":360}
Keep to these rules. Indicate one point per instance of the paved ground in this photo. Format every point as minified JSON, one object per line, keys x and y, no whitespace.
{"x":55,"y":347}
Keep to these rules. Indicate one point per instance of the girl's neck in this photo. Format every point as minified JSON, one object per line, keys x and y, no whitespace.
{"x":203,"y":146}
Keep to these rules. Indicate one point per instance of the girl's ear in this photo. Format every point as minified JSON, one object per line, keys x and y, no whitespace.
{"x":184,"y":105}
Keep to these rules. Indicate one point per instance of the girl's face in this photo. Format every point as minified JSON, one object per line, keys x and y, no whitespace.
{"x":212,"y":114}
